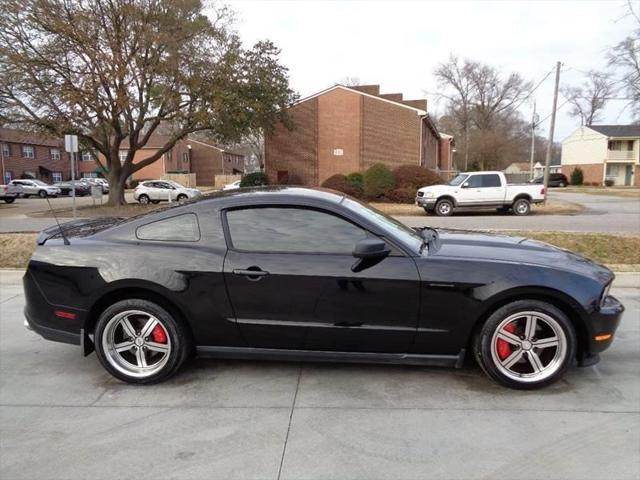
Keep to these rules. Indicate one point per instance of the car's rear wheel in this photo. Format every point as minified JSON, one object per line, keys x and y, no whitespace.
{"x":444,"y":208}
{"x":138,"y":341}
{"x":144,"y":199}
{"x":522,"y":207}
{"x":42,"y":194}
{"x":526,"y":344}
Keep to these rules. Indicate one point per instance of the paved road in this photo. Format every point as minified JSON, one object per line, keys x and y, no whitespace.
{"x":62,"y":416}
{"x":603,"y":214}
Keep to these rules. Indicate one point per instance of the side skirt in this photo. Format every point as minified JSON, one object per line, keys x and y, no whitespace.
{"x":248,"y":353}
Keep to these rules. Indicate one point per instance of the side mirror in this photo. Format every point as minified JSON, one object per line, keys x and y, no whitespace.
{"x":371,"y":248}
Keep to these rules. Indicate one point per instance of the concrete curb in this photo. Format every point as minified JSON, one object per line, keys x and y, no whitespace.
{"x":623,"y":279}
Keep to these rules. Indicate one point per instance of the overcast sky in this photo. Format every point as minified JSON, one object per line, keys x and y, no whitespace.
{"x":398,"y":44}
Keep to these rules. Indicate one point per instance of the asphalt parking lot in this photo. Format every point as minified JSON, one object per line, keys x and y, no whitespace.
{"x":63,"y":417}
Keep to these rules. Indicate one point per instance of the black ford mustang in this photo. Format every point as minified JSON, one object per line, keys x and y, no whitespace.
{"x":296,"y":273}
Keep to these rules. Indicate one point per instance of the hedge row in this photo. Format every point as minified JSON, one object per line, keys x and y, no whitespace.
{"x":381,"y":184}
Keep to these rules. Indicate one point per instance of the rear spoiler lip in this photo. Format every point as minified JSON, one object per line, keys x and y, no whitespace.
{"x":55,"y":230}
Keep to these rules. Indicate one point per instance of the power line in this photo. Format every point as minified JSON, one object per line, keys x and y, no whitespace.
{"x":534,"y":89}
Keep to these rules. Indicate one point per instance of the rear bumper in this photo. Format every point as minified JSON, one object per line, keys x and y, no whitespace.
{"x":49,"y":333}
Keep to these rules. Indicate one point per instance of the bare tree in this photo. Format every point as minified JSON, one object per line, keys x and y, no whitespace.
{"x":588,"y":100}
{"x":113,"y":71}
{"x":350,"y":81}
{"x":454,"y":79}
{"x":625,"y":57}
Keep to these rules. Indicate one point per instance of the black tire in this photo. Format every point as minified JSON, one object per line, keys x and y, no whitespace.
{"x":9,"y":200}
{"x":42,"y":194}
{"x":179,"y":340}
{"x":144,"y":199}
{"x":521,"y":207}
{"x":182,"y":197}
{"x":444,"y":208}
{"x":488,"y":357}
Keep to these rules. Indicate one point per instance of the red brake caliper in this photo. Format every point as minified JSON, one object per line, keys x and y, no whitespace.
{"x":503,"y":347}
{"x":158,"y":334}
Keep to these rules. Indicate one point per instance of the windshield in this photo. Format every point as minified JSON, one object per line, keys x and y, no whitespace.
{"x":407,"y":234}
{"x":459,"y":180}
{"x":175,"y":184}
{"x":39,"y":182}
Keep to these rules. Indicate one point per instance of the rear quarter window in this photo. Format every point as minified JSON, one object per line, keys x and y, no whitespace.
{"x":181,"y":228}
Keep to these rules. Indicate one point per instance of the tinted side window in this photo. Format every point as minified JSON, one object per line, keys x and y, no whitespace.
{"x":475,"y":181}
{"x":182,"y":228}
{"x":292,"y":230}
{"x":491,"y":181}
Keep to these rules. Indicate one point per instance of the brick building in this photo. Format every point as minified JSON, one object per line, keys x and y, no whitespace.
{"x":348,"y":129}
{"x":209,"y":160}
{"x":30,"y":155}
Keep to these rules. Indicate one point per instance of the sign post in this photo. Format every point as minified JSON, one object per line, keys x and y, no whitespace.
{"x":71,"y":146}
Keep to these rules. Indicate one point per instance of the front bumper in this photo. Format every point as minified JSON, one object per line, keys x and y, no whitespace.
{"x":603,"y":325}
{"x":426,"y":202}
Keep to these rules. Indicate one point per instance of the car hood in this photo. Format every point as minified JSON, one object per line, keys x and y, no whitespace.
{"x":493,"y":247}
{"x":436,"y":189}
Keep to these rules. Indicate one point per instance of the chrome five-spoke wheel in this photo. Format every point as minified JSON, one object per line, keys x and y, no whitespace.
{"x":136,"y":343}
{"x":139,"y":341}
{"x":526,"y":344}
{"x":529,"y":346}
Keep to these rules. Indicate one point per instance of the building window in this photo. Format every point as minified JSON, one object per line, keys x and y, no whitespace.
{"x":89,"y":175}
{"x":55,"y":154}
{"x":613,"y":170}
{"x":27,"y":151}
{"x":6,"y":149}
{"x":185,"y":157}
{"x":8,"y":176}
{"x":87,"y":156}
{"x":122,"y":156}
{"x":56,"y":177}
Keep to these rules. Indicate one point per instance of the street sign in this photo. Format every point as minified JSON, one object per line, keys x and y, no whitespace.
{"x":71,"y":143}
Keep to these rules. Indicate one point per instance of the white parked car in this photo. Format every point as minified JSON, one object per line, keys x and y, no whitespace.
{"x":155,"y":191}
{"x":36,"y":187}
{"x":232,"y":186}
{"x":98,"y":181}
{"x":479,"y":190}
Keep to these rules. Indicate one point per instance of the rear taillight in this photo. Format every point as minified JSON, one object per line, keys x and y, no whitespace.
{"x":542,"y":191}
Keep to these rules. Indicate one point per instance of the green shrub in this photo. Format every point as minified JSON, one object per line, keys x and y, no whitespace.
{"x":377,"y":181}
{"x":255,"y":179}
{"x":356,"y":180}
{"x":577,"y":176}
{"x":414,"y":176}
{"x":340,"y":183}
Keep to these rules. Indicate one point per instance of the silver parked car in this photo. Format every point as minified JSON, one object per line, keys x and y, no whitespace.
{"x":155,"y":191}
{"x":36,"y":187}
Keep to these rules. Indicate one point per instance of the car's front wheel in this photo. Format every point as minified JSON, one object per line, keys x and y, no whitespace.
{"x":9,"y":199}
{"x":182,"y":197}
{"x":138,"y":341}
{"x":42,"y":194}
{"x":526,"y":344}
{"x":444,"y":208}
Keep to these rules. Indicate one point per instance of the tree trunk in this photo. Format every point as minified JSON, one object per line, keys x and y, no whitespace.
{"x":117,"y":181}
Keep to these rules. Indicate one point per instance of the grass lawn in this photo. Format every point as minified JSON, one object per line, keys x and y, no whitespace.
{"x":620,"y":252}
{"x":550,"y":208}
{"x":627,"y":192}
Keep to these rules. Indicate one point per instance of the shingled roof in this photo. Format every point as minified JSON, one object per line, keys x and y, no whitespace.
{"x":617,"y":130}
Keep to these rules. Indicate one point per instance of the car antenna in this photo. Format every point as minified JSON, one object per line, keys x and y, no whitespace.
{"x":64,"y":237}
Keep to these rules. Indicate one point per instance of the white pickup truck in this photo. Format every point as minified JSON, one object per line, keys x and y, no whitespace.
{"x":479,"y":190}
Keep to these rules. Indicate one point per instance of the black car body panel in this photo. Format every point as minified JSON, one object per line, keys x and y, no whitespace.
{"x":417,"y":305}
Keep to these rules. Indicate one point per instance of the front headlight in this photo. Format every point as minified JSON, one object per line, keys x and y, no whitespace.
{"x":605,"y":294}
{"x":429,"y":194}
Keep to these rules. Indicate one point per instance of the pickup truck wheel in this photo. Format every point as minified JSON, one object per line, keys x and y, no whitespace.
{"x":522,"y":206}
{"x":42,"y":194}
{"x":9,"y":200}
{"x":444,"y":208}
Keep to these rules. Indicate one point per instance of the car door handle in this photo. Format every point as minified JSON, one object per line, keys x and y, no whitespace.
{"x":252,"y":273}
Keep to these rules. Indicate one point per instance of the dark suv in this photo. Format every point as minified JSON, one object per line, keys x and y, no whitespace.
{"x":555,"y":180}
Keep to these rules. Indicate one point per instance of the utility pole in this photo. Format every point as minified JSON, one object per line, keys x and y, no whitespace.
{"x":547,"y":160}
{"x":534,"y":121}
